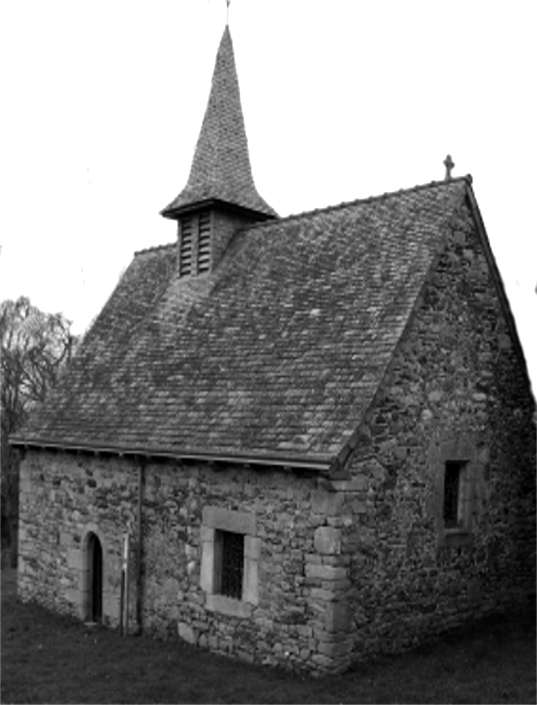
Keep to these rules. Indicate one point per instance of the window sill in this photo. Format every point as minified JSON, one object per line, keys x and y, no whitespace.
{"x":456,"y":536}
{"x":229,"y":606}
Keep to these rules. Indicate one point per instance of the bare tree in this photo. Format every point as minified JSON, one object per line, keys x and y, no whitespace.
{"x":35,"y":347}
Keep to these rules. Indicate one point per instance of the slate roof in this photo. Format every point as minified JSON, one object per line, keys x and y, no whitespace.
{"x":221,"y":168}
{"x":278,"y":352}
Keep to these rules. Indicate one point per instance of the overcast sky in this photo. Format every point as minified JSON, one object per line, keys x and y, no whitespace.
{"x":102,"y":101}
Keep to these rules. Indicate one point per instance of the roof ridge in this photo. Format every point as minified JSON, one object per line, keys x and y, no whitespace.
{"x":154,"y":248}
{"x":337,"y":206}
{"x":356,"y":201}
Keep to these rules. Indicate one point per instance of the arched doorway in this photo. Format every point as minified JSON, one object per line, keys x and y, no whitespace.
{"x":95,"y":578}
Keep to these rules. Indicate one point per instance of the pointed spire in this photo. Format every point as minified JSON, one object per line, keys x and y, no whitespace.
{"x":221,"y":168}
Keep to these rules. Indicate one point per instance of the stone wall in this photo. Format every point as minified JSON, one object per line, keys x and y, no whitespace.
{"x":63,"y":499}
{"x":335,"y":570}
{"x":66,"y":497}
{"x":288,"y":623}
{"x":455,"y":390}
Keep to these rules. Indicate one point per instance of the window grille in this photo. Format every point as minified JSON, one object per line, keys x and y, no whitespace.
{"x":452,"y":494}
{"x":232,"y":564}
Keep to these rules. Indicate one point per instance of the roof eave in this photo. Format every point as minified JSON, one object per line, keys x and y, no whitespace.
{"x":314,"y":463}
{"x":173,"y":213}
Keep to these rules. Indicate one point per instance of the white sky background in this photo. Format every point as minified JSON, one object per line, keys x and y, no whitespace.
{"x":102,"y":102}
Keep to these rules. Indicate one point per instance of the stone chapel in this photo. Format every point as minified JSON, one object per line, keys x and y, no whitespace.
{"x":317,"y":430}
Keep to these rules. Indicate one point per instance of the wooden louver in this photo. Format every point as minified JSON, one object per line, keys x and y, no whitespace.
{"x":185,"y":250}
{"x":195,"y":248}
{"x":204,"y":242}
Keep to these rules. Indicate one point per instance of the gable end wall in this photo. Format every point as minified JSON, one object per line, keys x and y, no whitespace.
{"x":338,"y":570}
{"x":455,"y":390}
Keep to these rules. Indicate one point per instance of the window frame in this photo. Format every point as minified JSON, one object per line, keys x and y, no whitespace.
{"x":214,"y":521}
{"x":224,"y":559}
{"x":463,"y":452}
{"x":461,"y":499}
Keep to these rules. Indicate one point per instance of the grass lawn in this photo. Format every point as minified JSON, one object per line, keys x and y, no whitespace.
{"x":47,"y":658}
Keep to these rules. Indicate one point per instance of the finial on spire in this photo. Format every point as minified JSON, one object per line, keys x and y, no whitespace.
{"x":228,"y":3}
{"x":449,"y":164}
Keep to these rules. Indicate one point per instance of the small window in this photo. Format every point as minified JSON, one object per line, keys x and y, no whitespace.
{"x":231,"y":547}
{"x":454,"y":494}
{"x":229,"y":561}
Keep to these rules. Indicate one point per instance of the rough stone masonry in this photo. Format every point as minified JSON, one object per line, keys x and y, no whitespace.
{"x":335,"y":569}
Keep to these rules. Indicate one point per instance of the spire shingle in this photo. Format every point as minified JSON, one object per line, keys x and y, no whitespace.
{"x":221,"y":168}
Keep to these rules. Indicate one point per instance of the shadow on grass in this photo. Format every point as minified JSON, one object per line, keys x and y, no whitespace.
{"x":47,"y":658}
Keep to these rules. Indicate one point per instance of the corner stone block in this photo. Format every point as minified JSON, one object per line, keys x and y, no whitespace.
{"x":186,"y":632}
{"x":327,"y":540}
{"x":325,"y":572}
{"x":357,"y":484}
{"x":326,"y":503}
{"x":336,"y":650}
{"x":336,"y":617}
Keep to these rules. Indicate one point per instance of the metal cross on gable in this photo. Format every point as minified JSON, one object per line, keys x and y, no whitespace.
{"x":449,"y":164}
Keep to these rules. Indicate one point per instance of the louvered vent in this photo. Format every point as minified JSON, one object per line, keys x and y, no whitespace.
{"x":185,"y":252}
{"x":204,"y":243}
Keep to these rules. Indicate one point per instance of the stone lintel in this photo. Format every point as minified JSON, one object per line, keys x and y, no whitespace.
{"x":226,"y":520}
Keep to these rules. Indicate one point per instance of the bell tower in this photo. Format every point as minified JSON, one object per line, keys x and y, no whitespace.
{"x":220,"y":195}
